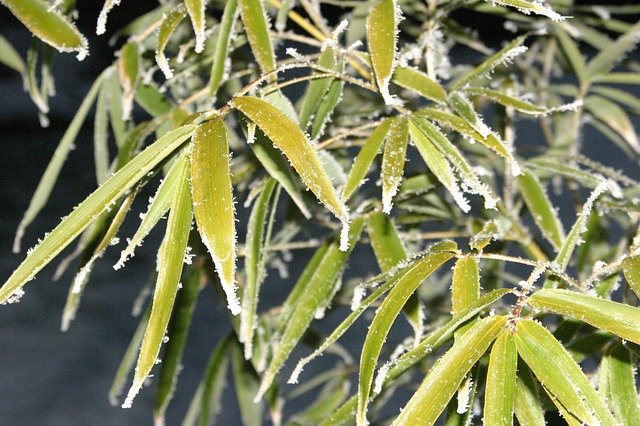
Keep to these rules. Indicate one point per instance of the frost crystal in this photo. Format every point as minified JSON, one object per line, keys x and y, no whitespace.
{"x":14,"y":298}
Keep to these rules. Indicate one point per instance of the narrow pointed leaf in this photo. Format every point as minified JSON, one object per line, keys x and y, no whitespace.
{"x":527,"y":405}
{"x":617,"y":318}
{"x":417,"y":81}
{"x":100,"y":200}
{"x":559,"y":373}
{"x":316,"y":294}
{"x":466,"y":283}
{"x":622,"y":97}
{"x":167,"y":28}
{"x":317,"y":88}
{"x":101,"y":136}
{"x":256,"y":26}
{"x":49,"y":26}
{"x":501,"y":381}
{"x":572,"y":53}
{"x":622,"y":383}
{"x":10,"y":57}
{"x":631,"y":270}
{"x":393,"y":159}
{"x":115,"y":111}
{"x":538,"y":203}
{"x":288,"y":137}
{"x":170,"y":261}
{"x":101,"y":26}
{"x":327,"y":105}
{"x":465,"y":109}
{"x":177,"y":332}
{"x":128,"y":73}
{"x":620,"y":78}
{"x":382,"y":35}
{"x":246,"y":382}
{"x":364,"y":159}
{"x":221,"y":52}
{"x":528,"y":7}
{"x":615,"y":117}
{"x":151,"y":100}
{"x":608,"y":57}
{"x":385,"y":317}
{"x":213,"y":202}
{"x":445,"y":377}
{"x":519,"y":104}
{"x":196,"y":8}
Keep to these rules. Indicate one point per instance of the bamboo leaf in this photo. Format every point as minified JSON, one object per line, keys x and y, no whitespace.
{"x":631,"y":270}
{"x":417,"y":81}
{"x":317,"y":88}
{"x":501,"y":381}
{"x":100,"y":200}
{"x":254,"y":261}
{"x":619,"y":78}
{"x":615,"y":117}
{"x":445,"y":377}
{"x":622,"y":383}
{"x":393,"y":158}
{"x":466,"y":110}
{"x":617,"y":318}
{"x":177,"y":332}
{"x":288,"y":137}
{"x":10,"y":57}
{"x":101,"y":136}
{"x":151,"y":100}
{"x":45,"y":186}
{"x":608,"y":57}
{"x":527,"y":405}
{"x":621,"y":97}
{"x":465,"y":288}
{"x":528,"y":7}
{"x":213,"y":202}
{"x":169,"y":24}
{"x":382,"y":35}
{"x":538,"y":203}
{"x":115,"y":111}
{"x":327,"y":105}
{"x":256,"y":25}
{"x":128,"y":73}
{"x":196,"y":9}
{"x":49,"y":26}
{"x":315,"y":295}
{"x":503,"y":56}
{"x":364,"y":159}
{"x":385,"y":317}
{"x":221,"y":52}
{"x":519,"y":104}
{"x":572,"y":52}
{"x":246,"y":384}
{"x":170,"y":260}
{"x":559,"y":373}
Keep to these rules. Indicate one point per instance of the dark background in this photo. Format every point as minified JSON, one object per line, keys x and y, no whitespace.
{"x":52,"y":378}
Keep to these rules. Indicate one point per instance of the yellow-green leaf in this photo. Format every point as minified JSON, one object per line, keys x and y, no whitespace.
{"x":213,"y":202}
{"x":527,"y":7}
{"x":465,"y":288}
{"x":10,"y":57}
{"x":49,"y":26}
{"x":196,"y":8}
{"x":419,"y":82}
{"x":501,"y":381}
{"x":527,"y":405}
{"x":611,"y":114}
{"x":447,"y":374}
{"x":519,"y":104}
{"x":256,"y":26}
{"x":170,"y":260}
{"x":617,"y":318}
{"x":169,"y":24}
{"x":288,"y":137}
{"x":466,"y":110}
{"x":382,"y":35}
{"x":572,"y":52}
{"x":220,"y":54}
{"x":604,"y":61}
{"x":631,"y":270}
{"x":559,"y":373}
{"x":622,"y":385}
{"x":393,"y":158}
{"x":128,"y":73}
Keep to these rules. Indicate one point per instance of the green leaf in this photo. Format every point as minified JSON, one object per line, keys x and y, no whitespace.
{"x":115,"y":111}
{"x":393,"y":158}
{"x":10,"y":57}
{"x":385,"y":316}
{"x":465,"y":288}
{"x":617,"y":318}
{"x":169,"y":24}
{"x":572,"y":52}
{"x":256,"y":26}
{"x":528,"y":7}
{"x":246,"y":384}
{"x":622,"y":97}
{"x":100,"y":200}
{"x":503,"y":56}
{"x":101,"y":136}
{"x":619,"y":78}
{"x":177,"y":332}
{"x":538,"y":203}
{"x":622,"y":383}
{"x":465,"y":109}
{"x":196,"y":9}
{"x":254,"y":263}
{"x":615,"y":117}
{"x":49,"y":26}
{"x":501,"y":381}
{"x":519,"y":104}
{"x":527,"y":405}
{"x":288,"y":137}
{"x":149,"y":97}
{"x":213,"y":202}
{"x":170,"y":260}
{"x":315,"y":294}
{"x":631,"y":270}
{"x":604,"y":61}
{"x":447,"y":374}
{"x":365,"y":157}
{"x":317,"y":88}
{"x":221,"y":52}
{"x":382,"y":35}
{"x":327,"y":105}
{"x":48,"y":180}
{"x":559,"y":373}
{"x":128,"y":73}
{"x":419,"y":82}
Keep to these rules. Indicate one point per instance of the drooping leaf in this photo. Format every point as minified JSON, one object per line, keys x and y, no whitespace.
{"x":615,"y":117}
{"x":527,"y":405}
{"x":364,"y":159}
{"x":246,"y":384}
{"x":465,"y":287}
{"x":196,"y":9}
{"x":572,"y":52}
{"x":101,"y":136}
{"x":128,"y":73}
{"x":170,"y":260}
{"x":631,"y":270}
{"x":316,"y":295}
{"x":169,"y":24}
{"x":49,"y":26}
{"x":501,"y":381}
{"x":288,"y":137}
{"x":419,"y":82}
{"x":617,"y":318}
{"x":622,"y":384}
{"x":559,"y":373}
{"x":382,"y":35}
{"x":221,"y":52}
{"x":393,"y":159}
{"x":528,"y":7}
{"x":213,"y":202}
{"x":256,"y":26}
{"x":445,"y":377}
{"x":10,"y":57}
{"x":622,"y":97}
{"x":115,"y":96}
{"x":604,"y":61}
{"x":385,"y":317}
{"x":100,"y":200}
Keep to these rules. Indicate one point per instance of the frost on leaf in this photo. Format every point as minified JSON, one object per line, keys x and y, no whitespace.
{"x":101,"y":26}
